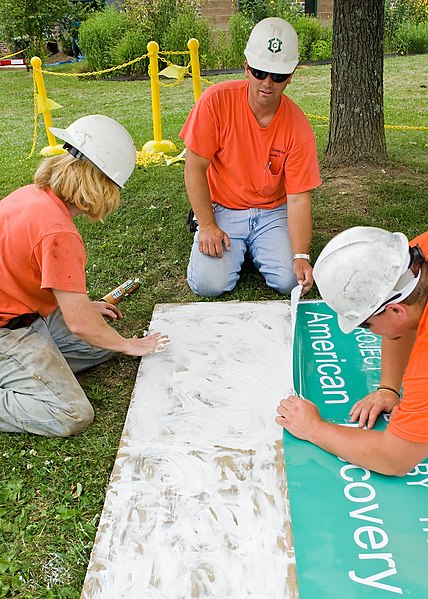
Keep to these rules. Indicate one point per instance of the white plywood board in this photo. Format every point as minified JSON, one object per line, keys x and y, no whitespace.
{"x":197,"y":503}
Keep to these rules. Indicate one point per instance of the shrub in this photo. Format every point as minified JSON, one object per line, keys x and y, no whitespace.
{"x":321,"y":50}
{"x":132,"y":45}
{"x":310,"y":31}
{"x":185,"y":26}
{"x":411,"y":38}
{"x":239,"y":29}
{"x":256,"y":10}
{"x":99,"y":35}
{"x":156,"y":16}
{"x":398,"y":15}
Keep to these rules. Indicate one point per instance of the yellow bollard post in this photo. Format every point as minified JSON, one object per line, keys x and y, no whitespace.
{"x":193,"y":46}
{"x":157,"y":144}
{"x":53,"y":149}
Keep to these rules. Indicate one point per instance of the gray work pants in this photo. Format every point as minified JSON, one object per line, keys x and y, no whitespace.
{"x":38,"y":390}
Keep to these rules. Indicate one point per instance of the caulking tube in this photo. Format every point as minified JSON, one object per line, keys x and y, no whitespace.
{"x":123,"y":290}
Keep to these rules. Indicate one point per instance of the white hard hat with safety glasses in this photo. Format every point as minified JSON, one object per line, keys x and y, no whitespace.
{"x":362,"y":270}
{"x":103,"y":141}
{"x":273,"y":46}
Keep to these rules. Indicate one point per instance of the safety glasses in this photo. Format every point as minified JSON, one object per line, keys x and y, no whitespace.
{"x":276,"y":77}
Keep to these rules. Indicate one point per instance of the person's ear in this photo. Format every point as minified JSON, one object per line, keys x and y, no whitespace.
{"x":399,"y":310}
{"x":290,"y":77}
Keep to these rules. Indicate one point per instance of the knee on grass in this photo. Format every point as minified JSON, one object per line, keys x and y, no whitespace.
{"x":209,"y":287}
{"x":71,"y":424}
{"x":283,"y":280}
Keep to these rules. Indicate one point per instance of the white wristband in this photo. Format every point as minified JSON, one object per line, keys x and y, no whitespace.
{"x":303,"y":256}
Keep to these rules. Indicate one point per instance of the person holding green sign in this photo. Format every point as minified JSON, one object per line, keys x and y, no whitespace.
{"x":374,"y":279}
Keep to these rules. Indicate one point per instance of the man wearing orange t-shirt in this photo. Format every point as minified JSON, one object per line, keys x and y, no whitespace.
{"x":373,"y":279}
{"x":251,"y":163}
{"x":49,"y":329}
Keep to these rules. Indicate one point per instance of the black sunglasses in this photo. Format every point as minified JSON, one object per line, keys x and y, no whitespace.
{"x":276,"y":77}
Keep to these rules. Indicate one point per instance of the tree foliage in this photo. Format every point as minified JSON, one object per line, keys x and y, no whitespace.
{"x":31,"y":21}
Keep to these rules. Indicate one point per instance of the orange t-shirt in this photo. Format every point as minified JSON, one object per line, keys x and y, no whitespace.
{"x":251,"y":166}
{"x":40,"y":249}
{"x":410,"y":419}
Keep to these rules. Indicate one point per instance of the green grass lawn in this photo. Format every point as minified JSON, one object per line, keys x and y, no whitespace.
{"x":52,"y":490}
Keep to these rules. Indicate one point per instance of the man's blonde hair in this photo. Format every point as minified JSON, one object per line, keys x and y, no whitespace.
{"x":80,"y":183}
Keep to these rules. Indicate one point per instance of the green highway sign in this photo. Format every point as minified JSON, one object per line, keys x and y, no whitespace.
{"x":357,"y":534}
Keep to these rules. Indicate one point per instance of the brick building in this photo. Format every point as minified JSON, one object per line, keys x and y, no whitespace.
{"x":325,"y":10}
{"x":218,"y":12}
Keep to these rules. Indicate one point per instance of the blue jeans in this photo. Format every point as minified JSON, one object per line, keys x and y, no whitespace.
{"x":38,"y":390}
{"x":264,"y":233}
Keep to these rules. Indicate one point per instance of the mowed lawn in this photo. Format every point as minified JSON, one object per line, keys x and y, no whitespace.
{"x":52,"y":490}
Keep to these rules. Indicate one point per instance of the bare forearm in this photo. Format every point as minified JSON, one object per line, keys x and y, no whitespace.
{"x":300,"y":222}
{"x":83,"y":319}
{"x":355,"y":445}
{"x":92,"y":328}
{"x":380,"y":451}
{"x":197,"y":189}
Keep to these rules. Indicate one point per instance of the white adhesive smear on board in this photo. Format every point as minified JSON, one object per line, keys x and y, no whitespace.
{"x":197,"y":504}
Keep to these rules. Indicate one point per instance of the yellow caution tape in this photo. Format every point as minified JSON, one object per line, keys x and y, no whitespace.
{"x":14,"y":54}
{"x":178,"y":158}
{"x":399,"y":127}
{"x":44,"y":105}
{"x":149,"y":158}
{"x":173,"y":71}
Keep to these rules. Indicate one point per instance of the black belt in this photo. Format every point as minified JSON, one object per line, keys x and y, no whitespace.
{"x":19,"y":322}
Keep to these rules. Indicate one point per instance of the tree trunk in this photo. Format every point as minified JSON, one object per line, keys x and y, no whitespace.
{"x":357,"y":133}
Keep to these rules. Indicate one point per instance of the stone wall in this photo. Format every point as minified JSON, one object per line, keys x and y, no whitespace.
{"x":218,"y":12}
{"x":325,"y":10}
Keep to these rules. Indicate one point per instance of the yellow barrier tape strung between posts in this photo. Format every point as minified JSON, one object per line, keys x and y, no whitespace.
{"x":407,"y":127}
{"x":315,"y":116}
{"x":14,"y":54}
{"x":399,"y":127}
{"x":127,"y":64}
{"x":102,"y":72}
{"x":182,"y":72}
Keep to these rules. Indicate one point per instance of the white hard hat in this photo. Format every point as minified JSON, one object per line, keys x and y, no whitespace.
{"x":361,"y":270}
{"x":273,"y":46}
{"x":104,"y":142}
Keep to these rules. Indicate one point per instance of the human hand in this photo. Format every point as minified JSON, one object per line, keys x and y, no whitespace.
{"x":212,"y":240}
{"x":298,"y":416}
{"x":366,"y":410}
{"x":107,"y":310}
{"x":137,"y":346}
{"x":303,"y":271}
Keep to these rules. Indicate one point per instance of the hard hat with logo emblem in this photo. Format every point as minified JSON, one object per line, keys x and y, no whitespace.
{"x":362,"y":270}
{"x":273,"y":46}
{"x":103,"y":141}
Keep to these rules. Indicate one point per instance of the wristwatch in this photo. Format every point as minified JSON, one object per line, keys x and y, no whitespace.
{"x":303,"y":256}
